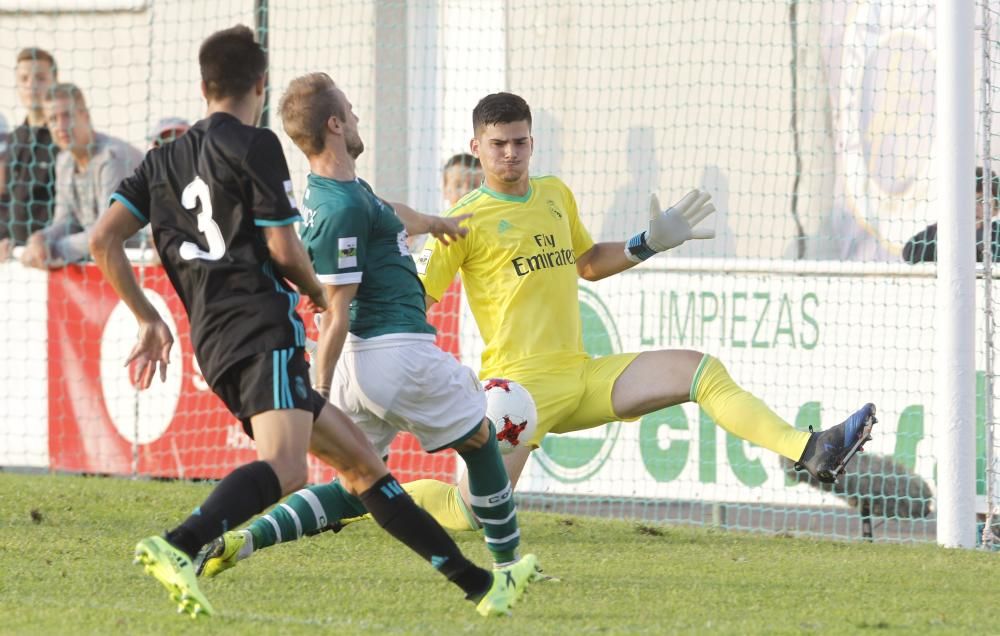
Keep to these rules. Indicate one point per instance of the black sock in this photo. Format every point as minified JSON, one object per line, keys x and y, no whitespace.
{"x":244,"y":492}
{"x":394,"y":510}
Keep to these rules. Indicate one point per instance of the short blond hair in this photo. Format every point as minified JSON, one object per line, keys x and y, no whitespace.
{"x":68,"y":91}
{"x":307,"y":105}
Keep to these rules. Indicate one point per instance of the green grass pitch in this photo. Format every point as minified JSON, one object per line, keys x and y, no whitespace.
{"x":65,"y":568}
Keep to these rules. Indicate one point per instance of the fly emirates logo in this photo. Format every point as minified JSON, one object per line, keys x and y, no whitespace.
{"x":548,"y":256}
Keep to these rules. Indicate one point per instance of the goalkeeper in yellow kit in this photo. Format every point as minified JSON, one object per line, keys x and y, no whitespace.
{"x":520,"y":264}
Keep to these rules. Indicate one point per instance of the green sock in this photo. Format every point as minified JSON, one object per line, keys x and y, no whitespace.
{"x":493,"y":499}
{"x":304,"y":512}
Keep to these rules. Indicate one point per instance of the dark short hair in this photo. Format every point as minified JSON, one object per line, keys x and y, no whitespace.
{"x":308,"y":103}
{"x":464,"y":160}
{"x":500,"y":108}
{"x":231,"y":62}
{"x":34,"y":54}
{"x":994,"y":180}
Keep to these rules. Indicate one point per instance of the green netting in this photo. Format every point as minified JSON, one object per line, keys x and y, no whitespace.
{"x":987,"y":440}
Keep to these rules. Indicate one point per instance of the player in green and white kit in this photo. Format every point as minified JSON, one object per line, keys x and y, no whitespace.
{"x":376,"y":358}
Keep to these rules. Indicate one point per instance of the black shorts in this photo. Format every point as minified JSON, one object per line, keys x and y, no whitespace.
{"x":269,"y":381}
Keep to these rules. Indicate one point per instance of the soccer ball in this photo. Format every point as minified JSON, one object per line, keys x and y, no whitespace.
{"x":510,"y":407}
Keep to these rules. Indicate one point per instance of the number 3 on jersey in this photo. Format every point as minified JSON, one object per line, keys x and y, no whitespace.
{"x":195,"y":194}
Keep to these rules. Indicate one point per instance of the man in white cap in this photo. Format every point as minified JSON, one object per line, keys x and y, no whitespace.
{"x":166,"y":130}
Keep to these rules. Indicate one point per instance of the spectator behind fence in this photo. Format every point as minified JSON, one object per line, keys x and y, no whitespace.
{"x":460,"y":175}
{"x":27,"y":185}
{"x":89,"y":168}
{"x":166,"y":130}
{"x":922,"y":248}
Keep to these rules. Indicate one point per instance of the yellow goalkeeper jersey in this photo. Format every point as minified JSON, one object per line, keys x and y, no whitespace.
{"x":518,"y":268}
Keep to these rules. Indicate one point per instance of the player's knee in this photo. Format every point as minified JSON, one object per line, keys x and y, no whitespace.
{"x":684,"y":363}
{"x":689,"y":357}
{"x":292,"y":473}
{"x":360,"y":478}
{"x":351,"y":485}
{"x":295,"y":479}
{"x":477,"y":439}
{"x":361,"y":473}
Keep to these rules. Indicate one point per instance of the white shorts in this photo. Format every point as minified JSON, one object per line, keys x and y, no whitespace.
{"x":404,"y":382}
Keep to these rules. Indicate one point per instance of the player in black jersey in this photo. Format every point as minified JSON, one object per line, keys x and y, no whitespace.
{"x":219,"y":201}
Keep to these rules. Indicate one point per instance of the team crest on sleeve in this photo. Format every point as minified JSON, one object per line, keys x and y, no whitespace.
{"x":308,"y":216}
{"x":347,"y":252}
{"x":423,"y":259}
{"x":289,"y":192}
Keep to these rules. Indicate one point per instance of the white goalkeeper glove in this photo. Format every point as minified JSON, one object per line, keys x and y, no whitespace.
{"x":671,"y":227}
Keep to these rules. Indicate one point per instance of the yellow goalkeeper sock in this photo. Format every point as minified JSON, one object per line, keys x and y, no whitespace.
{"x":742,"y":413}
{"x":443,"y":502}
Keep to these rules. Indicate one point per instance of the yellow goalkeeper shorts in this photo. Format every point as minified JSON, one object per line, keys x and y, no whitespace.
{"x":575,"y":397}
